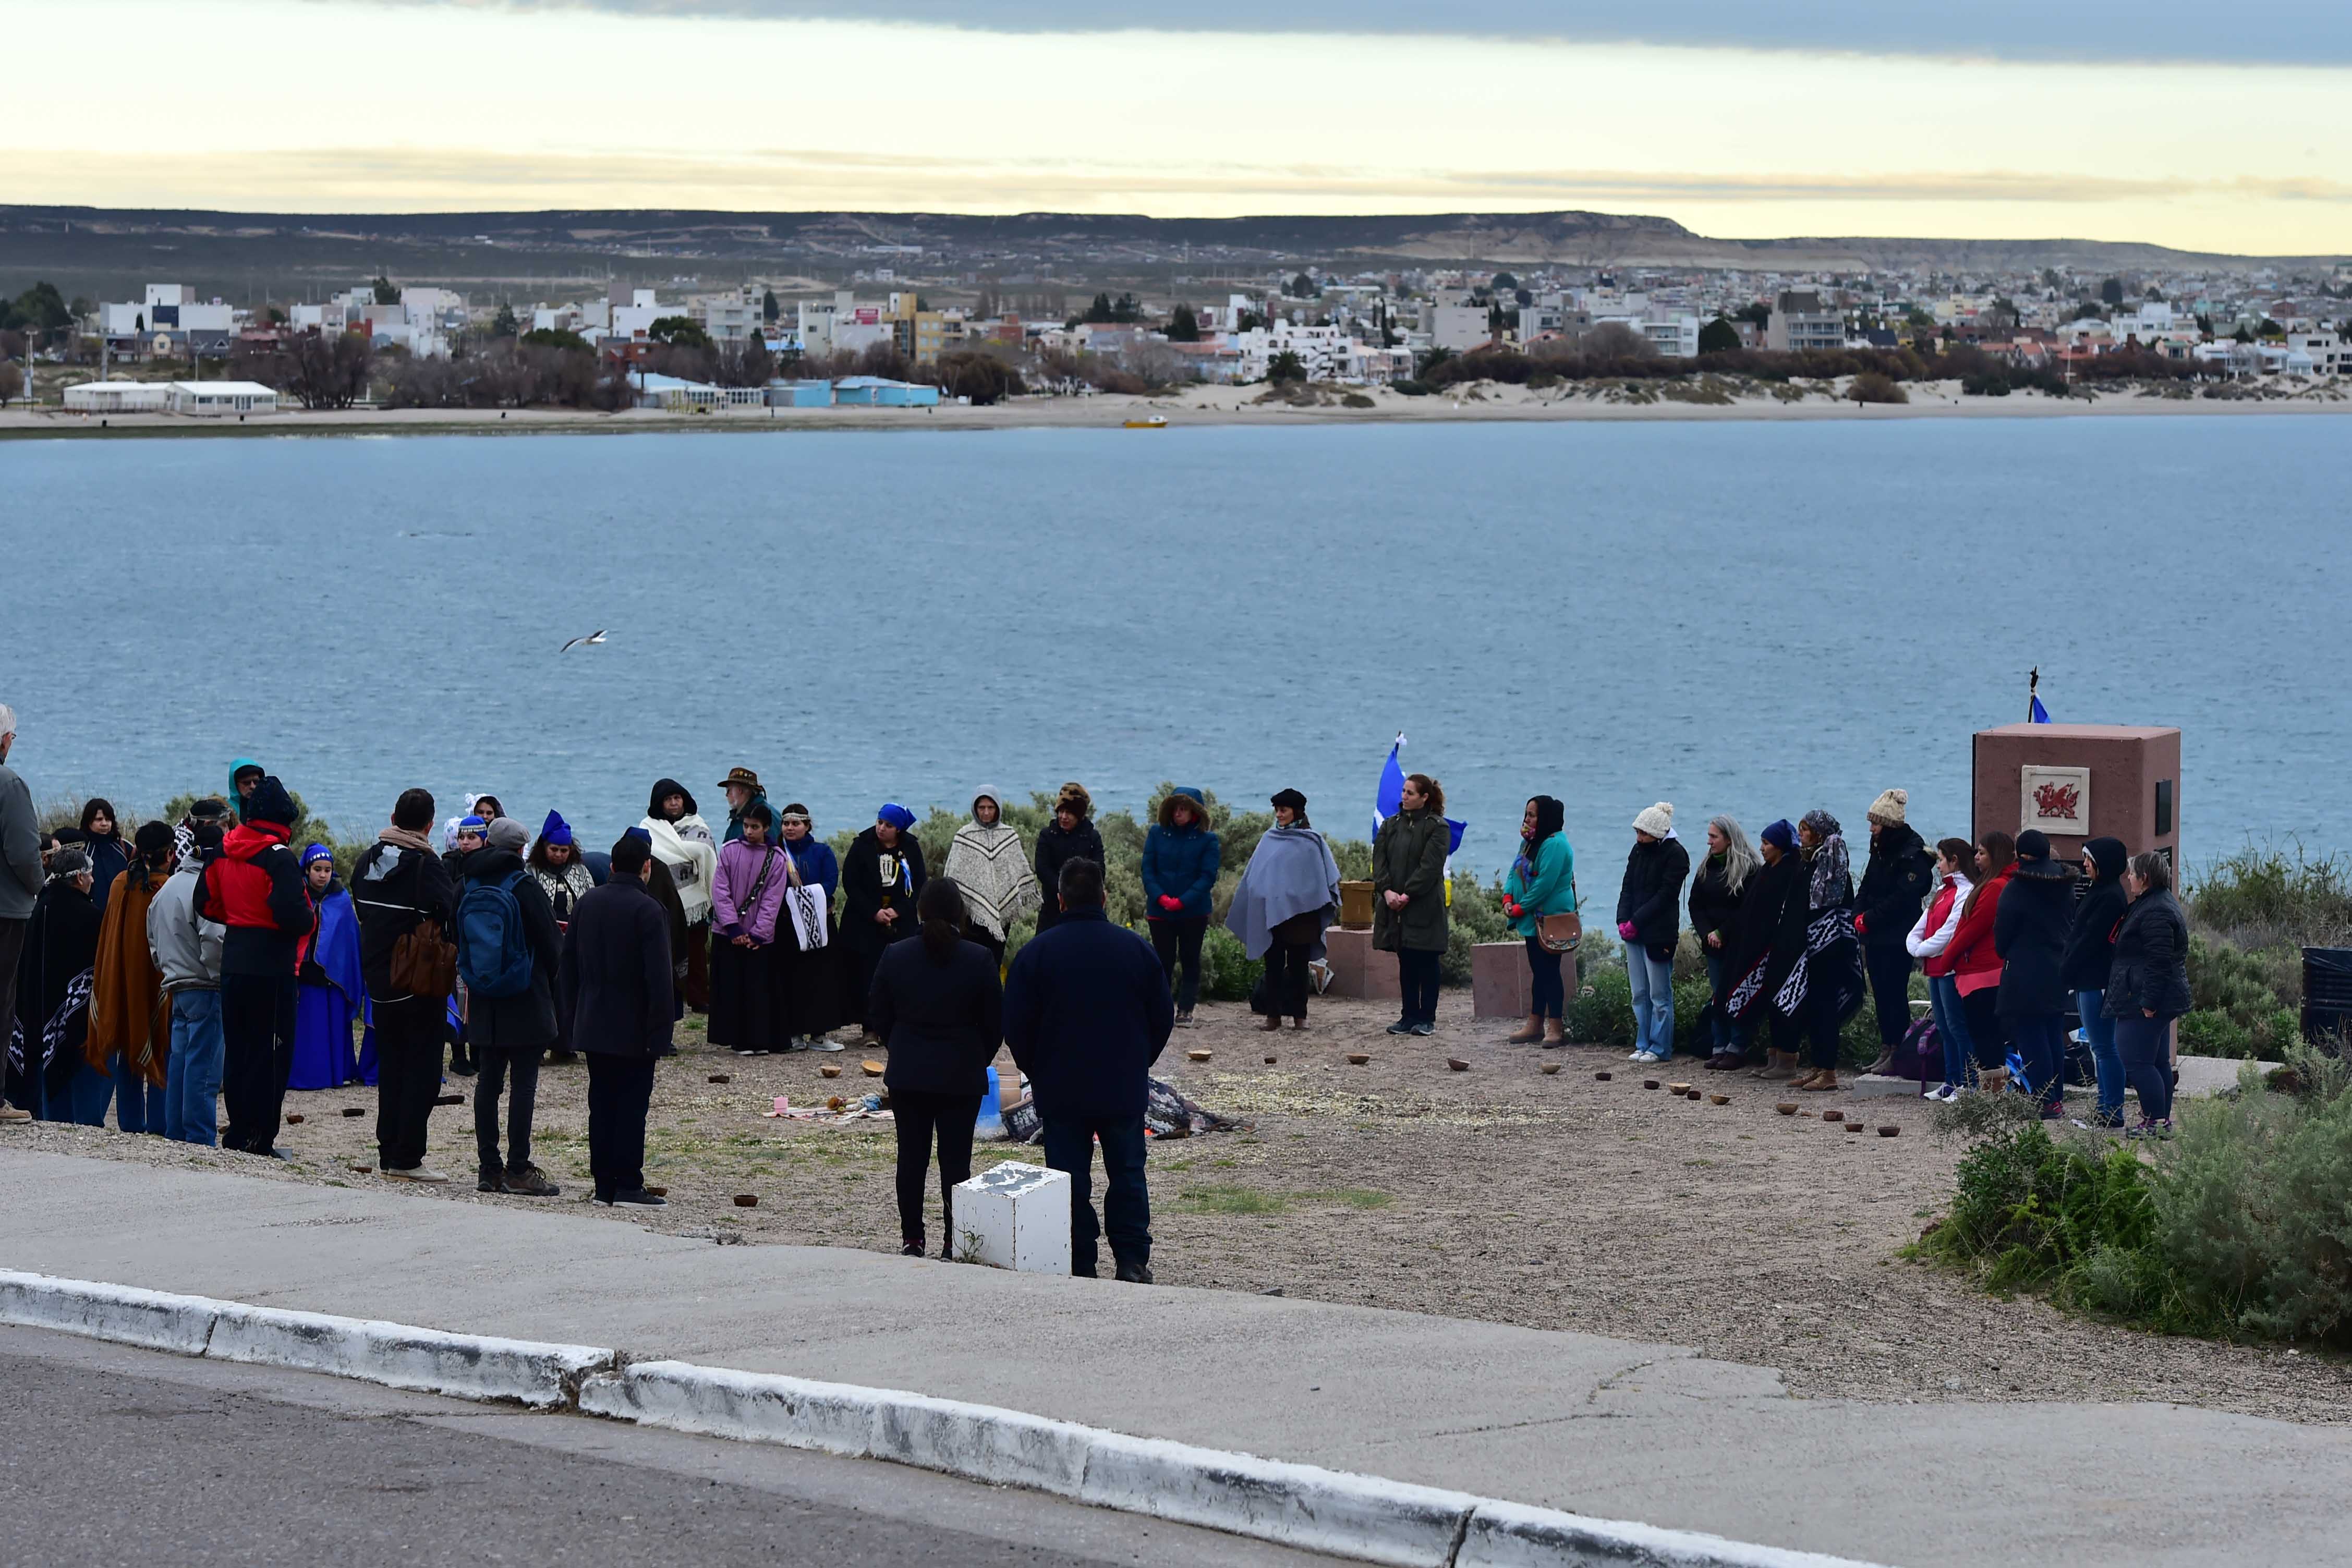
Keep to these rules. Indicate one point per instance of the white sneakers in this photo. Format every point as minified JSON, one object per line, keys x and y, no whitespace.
{"x":1945,"y":1094}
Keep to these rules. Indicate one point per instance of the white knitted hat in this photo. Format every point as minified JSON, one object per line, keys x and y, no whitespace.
{"x":1657,"y":821}
{"x":1888,"y":808}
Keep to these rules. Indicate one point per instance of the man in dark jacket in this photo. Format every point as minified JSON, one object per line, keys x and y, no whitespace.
{"x":1086,"y":1012}
{"x":616,"y":1004}
{"x":1895,"y":887}
{"x":1070,"y":836}
{"x":1650,"y":922}
{"x":508,"y":1034}
{"x":20,"y":876}
{"x":255,"y":888}
{"x":399,"y":884}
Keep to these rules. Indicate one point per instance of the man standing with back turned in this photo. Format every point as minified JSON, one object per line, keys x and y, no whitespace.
{"x":1086,"y":1012}
{"x":20,"y":876}
{"x":615,"y":1001}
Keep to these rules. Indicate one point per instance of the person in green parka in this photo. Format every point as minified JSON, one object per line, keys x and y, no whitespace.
{"x":1542,"y":882}
{"x":1408,"y":916}
{"x":245,"y":777}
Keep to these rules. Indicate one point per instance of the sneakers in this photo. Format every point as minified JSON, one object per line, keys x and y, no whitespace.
{"x":1420,"y":1030}
{"x":821,"y":1043}
{"x":913,"y":1248}
{"x":1944,"y":1094}
{"x":1184,"y":1019}
{"x":1650,"y":1058}
{"x":745,"y":1051}
{"x":634,"y":1198}
{"x":529,"y":1182}
{"x":10,"y":1113}
{"x":424,"y":1174}
{"x":1638,"y":1056}
{"x":1402,"y":1026}
{"x":491,"y":1180}
{"x":2148,"y":1127}
{"x":2056,"y":1111}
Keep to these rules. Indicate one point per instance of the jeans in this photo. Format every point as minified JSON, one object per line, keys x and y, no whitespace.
{"x":1732,"y":1035}
{"x":1177,"y":940}
{"x":2145,"y":1045}
{"x":620,"y":1091}
{"x":258,"y":1053}
{"x":489,"y":1082}
{"x":407,"y":1078}
{"x":1417,"y":978}
{"x":1286,"y":982}
{"x":919,"y":1115}
{"x":1653,"y":980}
{"x":1890,"y":987}
{"x":1126,"y":1202}
{"x":1546,"y":992}
{"x":2099,"y":1031}
{"x":2041,"y":1046}
{"x":1951,"y":1026}
{"x":137,"y":1104}
{"x":192,"y":1078}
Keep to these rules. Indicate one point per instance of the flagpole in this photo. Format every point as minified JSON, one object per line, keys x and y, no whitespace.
{"x":2032,"y":689}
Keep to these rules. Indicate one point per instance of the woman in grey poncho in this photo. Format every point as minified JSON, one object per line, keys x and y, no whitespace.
{"x":1282,"y":906}
{"x":988,"y":861}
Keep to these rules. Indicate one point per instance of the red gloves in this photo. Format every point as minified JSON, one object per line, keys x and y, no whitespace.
{"x":1625,"y":929}
{"x":1862,"y":925}
{"x":1511,"y":908}
{"x":1170,"y":903}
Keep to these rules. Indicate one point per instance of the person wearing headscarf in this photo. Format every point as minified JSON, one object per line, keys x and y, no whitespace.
{"x":332,"y":993}
{"x":881,"y":878}
{"x":1542,"y":881}
{"x":988,"y":861}
{"x":187,"y":953}
{"x":109,"y":852}
{"x":245,"y":776}
{"x":686,"y":853}
{"x":556,"y":865}
{"x":1825,"y":986}
{"x":1282,"y":906}
{"x":747,"y":1013}
{"x":2029,"y":935}
{"x":1649,"y":923}
{"x":1771,"y":943}
{"x":129,"y":1044}
{"x":1069,"y":836}
{"x":2090,"y":953}
{"x":53,"y":989}
{"x":805,"y":936}
{"x":1715,"y":896}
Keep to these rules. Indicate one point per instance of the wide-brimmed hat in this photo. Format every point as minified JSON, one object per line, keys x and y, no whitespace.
{"x":743,"y":776}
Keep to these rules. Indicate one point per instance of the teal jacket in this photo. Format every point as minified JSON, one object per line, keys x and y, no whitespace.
{"x":1550,"y":891}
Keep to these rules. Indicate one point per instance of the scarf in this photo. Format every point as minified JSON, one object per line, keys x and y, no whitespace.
{"x":398,"y":837}
{"x":1832,"y":868}
{"x":685,"y":847}
{"x":993,"y":868}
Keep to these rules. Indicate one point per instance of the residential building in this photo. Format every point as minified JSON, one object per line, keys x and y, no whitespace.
{"x":2328,"y":353}
{"x":1802,"y":321}
{"x":118,"y":397}
{"x":1459,"y":328}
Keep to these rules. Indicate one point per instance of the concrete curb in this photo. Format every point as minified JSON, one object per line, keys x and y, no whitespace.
{"x":465,"y":1366}
{"x":1304,"y":1506}
{"x":1393,"y":1523}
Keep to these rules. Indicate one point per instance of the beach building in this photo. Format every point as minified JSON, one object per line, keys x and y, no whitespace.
{"x":880,"y":392}
{"x":680,"y":396}
{"x":800,"y":394}
{"x":118,"y":397}
{"x":1802,"y":320}
{"x":216,"y":399}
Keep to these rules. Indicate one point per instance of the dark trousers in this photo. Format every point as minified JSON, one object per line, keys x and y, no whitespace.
{"x":491,"y":1080}
{"x":258,"y":1053}
{"x":2146,"y":1046}
{"x":12,"y":945}
{"x":1987,"y":1036}
{"x":1821,"y":1031}
{"x":1417,"y":974}
{"x":2041,"y":1045}
{"x":1177,"y":940}
{"x":995,"y":944}
{"x":1127,"y":1203}
{"x":1890,"y":987}
{"x":1546,"y":992}
{"x":620,"y":1091}
{"x":407,"y":1078}
{"x":1286,"y":979}
{"x":919,"y":1115}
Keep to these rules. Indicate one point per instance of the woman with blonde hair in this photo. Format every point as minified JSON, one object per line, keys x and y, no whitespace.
{"x":1716,"y":895}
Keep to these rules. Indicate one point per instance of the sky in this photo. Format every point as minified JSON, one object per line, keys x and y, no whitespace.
{"x":2159,"y":121}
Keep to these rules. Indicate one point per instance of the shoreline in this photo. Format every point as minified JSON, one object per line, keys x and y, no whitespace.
{"x":1479,"y":403}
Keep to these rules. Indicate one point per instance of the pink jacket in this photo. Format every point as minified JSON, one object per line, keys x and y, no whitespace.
{"x":740,"y":867}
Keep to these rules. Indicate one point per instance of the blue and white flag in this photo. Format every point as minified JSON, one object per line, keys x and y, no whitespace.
{"x":2034,"y":712}
{"x":1390,"y":800}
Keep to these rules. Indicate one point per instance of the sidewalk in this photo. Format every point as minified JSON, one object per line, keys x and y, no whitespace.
{"x":1601,"y":1427}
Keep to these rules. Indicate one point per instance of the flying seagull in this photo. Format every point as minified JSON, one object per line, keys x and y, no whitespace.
{"x":594,"y":639}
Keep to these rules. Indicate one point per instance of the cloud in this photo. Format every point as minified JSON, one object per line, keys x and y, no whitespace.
{"x":2294,"y":32}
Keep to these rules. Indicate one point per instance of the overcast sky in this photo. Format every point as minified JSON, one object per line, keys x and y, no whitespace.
{"x":2161,"y":122}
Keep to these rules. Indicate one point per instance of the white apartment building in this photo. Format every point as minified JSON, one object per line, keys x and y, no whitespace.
{"x":1802,"y":320}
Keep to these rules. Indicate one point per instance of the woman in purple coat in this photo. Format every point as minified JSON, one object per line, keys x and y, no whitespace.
{"x":749,"y":1014}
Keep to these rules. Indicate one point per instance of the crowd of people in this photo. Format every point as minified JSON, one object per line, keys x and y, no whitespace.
{"x":208,"y":964}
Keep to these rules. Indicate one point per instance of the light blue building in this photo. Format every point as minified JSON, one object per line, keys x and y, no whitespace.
{"x":800,"y":394}
{"x":879,"y":392}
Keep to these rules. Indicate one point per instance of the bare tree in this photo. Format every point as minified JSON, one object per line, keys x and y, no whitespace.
{"x":327,"y":372}
{"x":1616,"y":340}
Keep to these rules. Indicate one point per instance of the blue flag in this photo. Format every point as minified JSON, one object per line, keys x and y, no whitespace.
{"x":2040,"y":714}
{"x":1390,"y":798}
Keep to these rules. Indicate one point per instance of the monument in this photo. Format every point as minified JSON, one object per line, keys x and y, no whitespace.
{"x":2080,"y":781}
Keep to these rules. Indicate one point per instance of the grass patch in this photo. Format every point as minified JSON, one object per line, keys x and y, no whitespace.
{"x":1233,"y":1200}
{"x":1353,"y":1197}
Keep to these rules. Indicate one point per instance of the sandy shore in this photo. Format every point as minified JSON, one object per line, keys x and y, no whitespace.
{"x":1204,"y":405}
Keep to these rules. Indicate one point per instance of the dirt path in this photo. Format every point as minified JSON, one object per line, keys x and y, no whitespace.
{"x":1499,"y":1193}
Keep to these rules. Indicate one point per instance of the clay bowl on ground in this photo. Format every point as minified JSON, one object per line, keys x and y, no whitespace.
{"x":747,"y":1201}
{"x":722,"y":1078}
{"x":1198,"y":1055}
{"x":1550,"y":1068}
{"x":1853,"y":1126}
{"x":871,"y":1069}
{"x":1719,"y":1098}
{"x":1786,"y":1107}
{"x":1649,"y":1083}
{"x":1679,"y":1088}
{"x":828,"y":1071}
{"x":354,"y":1110}
{"x":1832,"y":1115}
{"x":1890,"y":1132}
{"x":1272,"y":1059}
{"x":1603,"y":1077}
{"x":1457,"y":1064}
{"x":1358,"y":1058}
{"x":292,"y":1117}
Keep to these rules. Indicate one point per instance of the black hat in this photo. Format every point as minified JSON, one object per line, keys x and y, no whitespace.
{"x":269,"y":803}
{"x":1292,"y":798}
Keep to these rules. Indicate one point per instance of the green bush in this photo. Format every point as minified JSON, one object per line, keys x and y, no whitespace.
{"x":2264,"y":898}
{"x":1228,"y":973}
{"x":1475,"y":915}
{"x":1601,"y":1011}
{"x":2031,"y":1214}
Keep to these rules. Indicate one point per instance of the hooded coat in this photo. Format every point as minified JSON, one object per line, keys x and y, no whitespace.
{"x":525,"y":1020}
{"x":1409,"y":857}
{"x":2030,"y":933}
{"x":126,"y":1000}
{"x":1058,"y":847}
{"x":2091,"y":939}
{"x":236,"y":800}
{"x":1181,"y":862}
{"x":686,"y":850}
{"x":1544,"y":882}
{"x":2151,"y":967}
{"x":1894,"y":885}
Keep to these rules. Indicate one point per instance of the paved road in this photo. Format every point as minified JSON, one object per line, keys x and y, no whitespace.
{"x":114,"y":1456}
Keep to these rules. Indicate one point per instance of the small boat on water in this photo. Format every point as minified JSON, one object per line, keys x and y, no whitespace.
{"x":1153,"y":422}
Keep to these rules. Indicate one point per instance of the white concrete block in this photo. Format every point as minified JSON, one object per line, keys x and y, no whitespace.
{"x":751,"y":1406}
{"x":1015,"y":1216}
{"x":464,"y":1366}
{"x":1514,"y":1535}
{"x":123,"y":1314}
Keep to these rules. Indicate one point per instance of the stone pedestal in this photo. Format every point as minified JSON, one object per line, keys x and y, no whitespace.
{"x":1015,"y":1216}
{"x":1500,"y":984}
{"x":1358,"y":968}
{"x":2080,"y":781}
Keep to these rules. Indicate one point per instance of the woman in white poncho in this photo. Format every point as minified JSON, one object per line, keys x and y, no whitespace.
{"x":684,"y":847}
{"x":988,"y":861}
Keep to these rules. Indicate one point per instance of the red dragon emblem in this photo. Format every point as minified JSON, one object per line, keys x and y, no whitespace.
{"x":2056,"y":802}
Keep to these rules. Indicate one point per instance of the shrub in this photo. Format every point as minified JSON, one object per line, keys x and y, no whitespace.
{"x":1475,"y":915}
{"x":1412,"y":388}
{"x":2262,"y":898}
{"x":1601,"y":1011}
{"x":1986,"y":384}
{"x":1357,"y":400}
{"x":1228,"y":973}
{"x":1872,"y":386}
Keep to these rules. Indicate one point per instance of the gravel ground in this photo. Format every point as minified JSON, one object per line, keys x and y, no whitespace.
{"x":1498,"y":1193}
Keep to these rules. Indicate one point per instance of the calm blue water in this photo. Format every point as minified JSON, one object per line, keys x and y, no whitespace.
{"x":1752,"y":617}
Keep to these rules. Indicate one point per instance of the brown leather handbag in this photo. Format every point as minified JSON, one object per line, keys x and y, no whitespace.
{"x":1562,"y":933}
{"x":423,"y":964}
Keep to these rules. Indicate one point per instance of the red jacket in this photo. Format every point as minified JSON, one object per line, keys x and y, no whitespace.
{"x":1975,"y":965}
{"x":255,"y":888}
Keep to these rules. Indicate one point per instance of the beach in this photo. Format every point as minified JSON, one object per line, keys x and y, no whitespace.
{"x":1706,"y":399}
